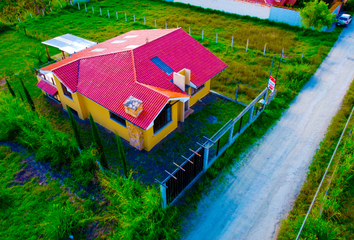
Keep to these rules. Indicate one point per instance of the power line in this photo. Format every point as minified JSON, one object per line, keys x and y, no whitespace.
{"x":324,"y":175}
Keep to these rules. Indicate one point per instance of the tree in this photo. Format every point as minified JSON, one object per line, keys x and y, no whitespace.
{"x":317,"y":15}
{"x":28,"y":96}
{"x":121,"y":155}
{"x":10,"y":88}
{"x":75,"y":128}
{"x":97,"y":141}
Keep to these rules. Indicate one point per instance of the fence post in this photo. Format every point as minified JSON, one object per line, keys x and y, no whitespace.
{"x":108,"y":13}
{"x":202,"y":34}
{"x":85,"y":8}
{"x":236,"y":93}
{"x":155,"y":22}
{"x":78,"y":5}
{"x":32,"y":17}
{"x":134,"y":17}
{"x":117,"y":15}
{"x":163,"y":196}
{"x":166,"y":24}
{"x":189,"y":30}
{"x":125,"y":15}
{"x":216,"y":37}
{"x":177,"y":25}
{"x":265,"y":47}
{"x":100,"y":12}
{"x":206,"y":158}
{"x":144,"y":21}
{"x":251,"y":114}
{"x":247,"y":45}
{"x":93,"y":10}
{"x":231,"y":133}
{"x":232,"y":41}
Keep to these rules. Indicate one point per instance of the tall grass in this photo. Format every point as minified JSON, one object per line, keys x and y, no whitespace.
{"x":139,"y":215}
{"x":27,"y":210}
{"x":336,"y":220}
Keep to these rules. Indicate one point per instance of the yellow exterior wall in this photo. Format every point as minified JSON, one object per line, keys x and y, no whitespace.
{"x":75,"y":103}
{"x":200,"y":94}
{"x":151,"y":140}
{"x":102,"y":117}
{"x":85,"y":106}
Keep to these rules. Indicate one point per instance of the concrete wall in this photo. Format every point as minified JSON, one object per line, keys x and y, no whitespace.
{"x":283,"y":15}
{"x":233,"y":6}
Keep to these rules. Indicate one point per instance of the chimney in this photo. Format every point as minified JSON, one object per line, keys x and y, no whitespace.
{"x":133,"y":106}
{"x":182,"y":78}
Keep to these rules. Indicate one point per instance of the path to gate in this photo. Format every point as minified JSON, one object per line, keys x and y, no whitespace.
{"x":257,"y":195}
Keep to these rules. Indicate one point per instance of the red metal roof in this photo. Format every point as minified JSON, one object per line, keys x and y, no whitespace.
{"x":47,"y":87}
{"x":110,"y":76}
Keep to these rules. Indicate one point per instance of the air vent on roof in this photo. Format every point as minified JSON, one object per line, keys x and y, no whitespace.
{"x":131,"y":36}
{"x":132,"y":46}
{"x":163,"y":66}
{"x":119,"y":41}
{"x":98,"y":50}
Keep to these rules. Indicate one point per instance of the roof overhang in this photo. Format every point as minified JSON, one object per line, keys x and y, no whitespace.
{"x":47,"y":87}
{"x":69,"y":43}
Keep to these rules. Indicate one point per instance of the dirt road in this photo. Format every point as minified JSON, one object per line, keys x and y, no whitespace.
{"x":257,"y":195}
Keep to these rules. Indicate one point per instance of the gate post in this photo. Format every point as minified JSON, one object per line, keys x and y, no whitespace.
{"x":205,"y":159}
{"x":163,"y":196}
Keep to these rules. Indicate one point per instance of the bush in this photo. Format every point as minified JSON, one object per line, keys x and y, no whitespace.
{"x":139,"y":215}
{"x":62,"y":221}
{"x":84,"y":166}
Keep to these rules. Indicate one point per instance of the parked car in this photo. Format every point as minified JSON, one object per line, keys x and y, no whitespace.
{"x":345,"y":19}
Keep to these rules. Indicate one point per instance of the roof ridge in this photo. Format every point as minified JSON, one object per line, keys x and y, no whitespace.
{"x":151,"y":87}
{"x":175,"y":29}
{"x":78,"y":71}
{"x":133,"y":62}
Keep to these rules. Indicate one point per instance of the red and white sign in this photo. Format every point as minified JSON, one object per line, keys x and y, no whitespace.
{"x":271,"y":83}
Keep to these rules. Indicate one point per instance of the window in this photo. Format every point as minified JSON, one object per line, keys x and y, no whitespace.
{"x":74,"y":112}
{"x":164,"y":117}
{"x":163,"y":66}
{"x":194,"y":91}
{"x":98,"y":50}
{"x":117,"y":119}
{"x":66,"y":92}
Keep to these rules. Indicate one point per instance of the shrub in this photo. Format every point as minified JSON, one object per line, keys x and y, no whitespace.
{"x":62,"y":221}
{"x":139,"y":215}
{"x":84,"y":166}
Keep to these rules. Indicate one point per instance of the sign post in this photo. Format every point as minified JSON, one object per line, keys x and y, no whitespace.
{"x":271,"y":83}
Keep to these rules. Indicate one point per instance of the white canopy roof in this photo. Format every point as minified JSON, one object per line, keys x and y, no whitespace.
{"x":69,"y":43}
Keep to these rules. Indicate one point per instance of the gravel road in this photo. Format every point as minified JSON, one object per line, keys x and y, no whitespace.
{"x":258,"y":194}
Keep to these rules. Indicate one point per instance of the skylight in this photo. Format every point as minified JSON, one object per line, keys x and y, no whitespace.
{"x":132,"y":46}
{"x":119,"y":41}
{"x":163,"y":66}
{"x":98,"y":50}
{"x":131,"y":36}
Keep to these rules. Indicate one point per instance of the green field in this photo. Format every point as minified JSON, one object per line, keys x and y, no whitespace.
{"x":125,"y":200}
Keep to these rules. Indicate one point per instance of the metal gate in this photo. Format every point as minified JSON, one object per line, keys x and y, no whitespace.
{"x":184,"y":175}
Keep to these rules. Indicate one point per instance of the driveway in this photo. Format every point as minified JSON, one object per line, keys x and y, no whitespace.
{"x":259,"y":193}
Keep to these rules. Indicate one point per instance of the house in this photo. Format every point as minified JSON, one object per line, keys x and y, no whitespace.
{"x":139,"y":84}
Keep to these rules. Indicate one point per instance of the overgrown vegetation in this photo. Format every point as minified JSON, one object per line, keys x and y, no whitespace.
{"x":30,"y":210}
{"x":133,"y":210}
{"x":332,"y":216}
